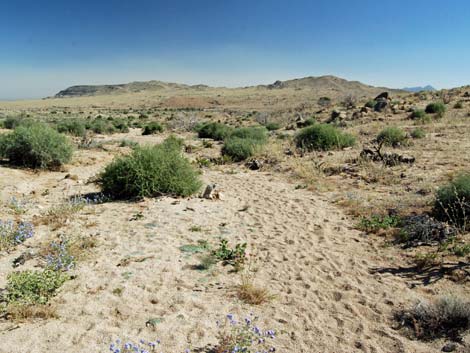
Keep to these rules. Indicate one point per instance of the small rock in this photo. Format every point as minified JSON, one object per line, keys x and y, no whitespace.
{"x":449,"y":347}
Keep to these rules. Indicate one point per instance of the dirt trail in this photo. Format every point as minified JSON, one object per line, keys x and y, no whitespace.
{"x":307,"y":253}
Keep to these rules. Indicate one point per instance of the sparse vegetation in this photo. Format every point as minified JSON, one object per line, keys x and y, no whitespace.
{"x":452,"y":202}
{"x":244,"y":143}
{"x":445,"y":317}
{"x":378,"y":222}
{"x":216,"y":131}
{"x":150,"y":172}
{"x":152,"y":128}
{"x":418,"y":133}
{"x":392,"y":136}
{"x":436,"y":108}
{"x":323,"y":137}
{"x":35,"y":146}
{"x":75,"y":127}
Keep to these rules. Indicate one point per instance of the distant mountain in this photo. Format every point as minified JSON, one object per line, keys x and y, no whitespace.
{"x":419,"y":89}
{"x":323,"y":85}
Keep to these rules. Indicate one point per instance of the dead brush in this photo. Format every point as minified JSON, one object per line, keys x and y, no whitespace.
{"x":59,"y":215}
{"x":25,"y":312}
{"x":249,"y":293}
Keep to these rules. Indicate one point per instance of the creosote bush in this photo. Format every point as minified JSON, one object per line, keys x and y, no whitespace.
{"x":437,"y":108}
{"x":216,"y":131}
{"x":244,"y":143}
{"x":35,"y":146}
{"x":75,"y":127}
{"x":392,"y":136}
{"x":418,"y":114}
{"x":151,"y":171}
{"x":323,"y":137}
{"x":452,"y":202}
{"x":418,"y":133}
{"x":152,"y":128}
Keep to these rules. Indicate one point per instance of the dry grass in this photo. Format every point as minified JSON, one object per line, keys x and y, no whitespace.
{"x":22,"y":312}
{"x":249,"y":293}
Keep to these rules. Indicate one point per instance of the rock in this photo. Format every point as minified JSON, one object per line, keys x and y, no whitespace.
{"x":383,"y":95}
{"x":449,"y":347}
{"x":254,"y":164}
{"x":209,"y":192}
{"x":381,"y":105}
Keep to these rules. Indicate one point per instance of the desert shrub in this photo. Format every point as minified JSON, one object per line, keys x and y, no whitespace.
{"x":216,"y":131}
{"x":33,"y":287}
{"x":120,"y":125}
{"x":371,"y":104}
{"x":452,"y":202}
{"x":273,"y":126}
{"x":436,"y":108}
{"x":324,"y":101}
{"x":36,"y":146}
{"x":151,"y":171}
{"x":75,"y":127}
{"x":423,"y":230}
{"x":392,"y":136}
{"x":458,"y":105}
{"x":12,"y":122}
{"x":152,"y":128}
{"x":102,"y":126}
{"x":418,"y":114}
{"x":418,"y":133}
{"x":323,"y":137}
{"x":445,"y":317}
{"x":244,"y":142}
{"x":258,"y":134}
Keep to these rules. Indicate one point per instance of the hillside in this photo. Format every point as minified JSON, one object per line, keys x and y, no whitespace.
{"x":322,"y":85}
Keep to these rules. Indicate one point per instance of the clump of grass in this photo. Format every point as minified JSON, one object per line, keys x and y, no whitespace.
{"x":58,"y":215}
{"x":418,"y":133}
{"x":392,"y":136}
{"x":249,"y":293}
{"x":452,"y":203}
{"x":418,"y":114}
{"x":445,"y":317}
{"x":323,"y":137}
{"x":436,"y":108}
{"x":216,"y":131}
{"x":151,"y":171}
{"x":371,"y":104}
{"x":36,"y":146}
{"x":152,"y":128}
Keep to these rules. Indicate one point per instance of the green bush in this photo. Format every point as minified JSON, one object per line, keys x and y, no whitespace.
{"x":12,"y":122}
{"x":239,"y":149}
{"x":436,"y":108}
{"x":216,"y":131}
{"x":418,"y":114}
{"x":36,"y":146}
{"x":152,"y":128}
{"x":452,"y":202}
{"x":75,"y":127}
{"x":392,"y":136}
{"x":371,"y":104}
{"x":258,"y":134}
{"x":273,"y":126}
{"x":418,"y":133}
{"x":33,"y":287}
{"x":323,"y":137}
{"x":150,"y":172}
{"x":101,"y":126}
{"x":120,"y":125}
{"x":244,"y":143}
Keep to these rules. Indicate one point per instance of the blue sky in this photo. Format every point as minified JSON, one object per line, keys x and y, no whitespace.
{"x":48,"y":45}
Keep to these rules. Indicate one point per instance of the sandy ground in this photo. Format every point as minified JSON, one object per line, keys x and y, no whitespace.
{"x":303,"y":249}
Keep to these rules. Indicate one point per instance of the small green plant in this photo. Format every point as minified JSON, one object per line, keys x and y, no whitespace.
{"x":33,"y":287}
{"x":13,"y":233}
{"x":152,"y":128}
{"x":151,"y":171}
{"x":436,"y":108}
{"x":371,"y":104}
{"x":128,"y":143}
{"x":378,"y":222}
{"x":392,"y":136}
{"x":452,"y":203}
{"x":233,"y":256}
{"x":35,"y":146}
{"x":418,"y":133}
{"x":239,"y":149}
{"x":423,"y":261}
{"x":323,"y":137}
{"x":461,"y":250}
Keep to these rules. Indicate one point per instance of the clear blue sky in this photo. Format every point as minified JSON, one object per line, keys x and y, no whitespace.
{"x":48,"y":45}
